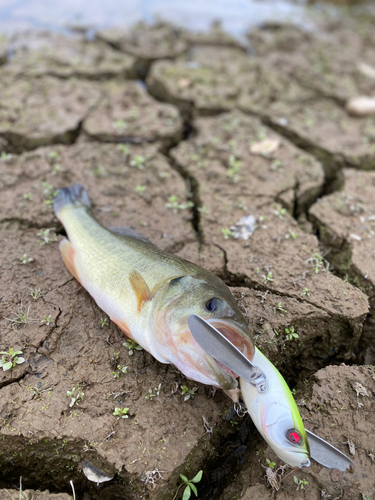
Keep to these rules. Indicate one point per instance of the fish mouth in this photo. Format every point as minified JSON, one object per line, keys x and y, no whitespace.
{"x":227,"y":377}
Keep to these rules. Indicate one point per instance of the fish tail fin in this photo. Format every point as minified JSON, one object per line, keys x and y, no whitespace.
{"x":72,"y":196}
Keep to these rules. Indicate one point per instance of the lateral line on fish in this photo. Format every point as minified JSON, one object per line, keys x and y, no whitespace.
{"x":140,"y":288}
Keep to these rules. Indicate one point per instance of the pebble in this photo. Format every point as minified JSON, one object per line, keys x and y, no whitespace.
{"x":361,"y":105}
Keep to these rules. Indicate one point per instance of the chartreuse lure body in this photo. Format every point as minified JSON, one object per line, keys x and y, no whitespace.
{"x":276,"y":415}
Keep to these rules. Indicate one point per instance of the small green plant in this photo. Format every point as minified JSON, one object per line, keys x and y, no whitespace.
{"x":47,"y":236}
{"x":54,"y":155}
{"x":226,"y":232}
{"x":124,"y":149}
{"x":291,"y":334}
{"x":47,"y":319}
{"x":140,"y":189}
{"x":138,"y":161}
{"x":301,"y":483}
{"x":5,"y":156}
{"x":103,"y":322}
{"x":280,"y":308}
{"x":35,"y":294}
{"x":270,"y":464}
{"x":10,"y":359}
{"x":25,"y":259}
{"x":203,"y":210}
{"x":306,"y":292}
{"x":49,"y":193}
{"x":276,"y":165}
{"x":267,"y":278}
{"x":189,"y":486}
{"x":150,"y":394}
{"x":122,"y":369}
{"x":132,"y":346}
{"x":28,"y":197}
{"x":22,"y":318}
{"x":99,"y":171}
{"x":318,"y":262}
{"x":120,"y":124}
{"x":75,"y":397}
{"x":56,"y":169}
{"x":234,"y":167}
{"x":188,"y":393}
{"x":175,"y":205}
{"x":280,"y":212}
{"x":291,"y":234}
{"x":121,"y":413}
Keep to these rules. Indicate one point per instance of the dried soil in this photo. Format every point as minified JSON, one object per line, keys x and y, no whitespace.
{"x":243,"y":156}
{"x":206,"y":81}
{"x":42,"y":111}
{"x":316,"y":60}
{"x":38,"y":54}
{"x":188,"y":200}
{"x":128,"y":113}
{"x":345,"y":221}
{"x":146,"y":43}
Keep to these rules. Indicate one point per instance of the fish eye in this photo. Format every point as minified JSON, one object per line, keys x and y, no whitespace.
{"x":212,"y":304}
{"x":294,"y":437}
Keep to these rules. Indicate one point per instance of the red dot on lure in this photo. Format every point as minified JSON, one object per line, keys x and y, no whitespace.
{"x":294,"y":437}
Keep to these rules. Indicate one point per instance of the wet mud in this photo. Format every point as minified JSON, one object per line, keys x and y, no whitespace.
{"x":241,"y":158}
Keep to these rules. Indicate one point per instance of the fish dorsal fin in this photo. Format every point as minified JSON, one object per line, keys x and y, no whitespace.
{"x":140,"y":288}
{"x":128,"y":232}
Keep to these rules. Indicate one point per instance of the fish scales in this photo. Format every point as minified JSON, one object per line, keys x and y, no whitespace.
{"x":148,"y":293}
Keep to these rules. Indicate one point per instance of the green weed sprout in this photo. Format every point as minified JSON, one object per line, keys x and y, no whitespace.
{"x":121,"y":413}
{"x":190,"y":486}
{"x":132,"y":346}
{"x":188,"y":393}
{"x":75,"y":397}
{"x":301,"y":483}
{"x":10,"y":359}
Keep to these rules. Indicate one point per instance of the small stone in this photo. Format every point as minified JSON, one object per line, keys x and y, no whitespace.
{"x":361,"y":106}
{"x":266,"y":147}
{"x":245,"y":227}
{"x":366,"y":70}
{"x":359,"y":389}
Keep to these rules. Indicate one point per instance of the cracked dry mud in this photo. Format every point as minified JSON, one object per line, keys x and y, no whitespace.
{"x":47,"y":110}
{"x":56,"y":55}
{"x":189,"y":194}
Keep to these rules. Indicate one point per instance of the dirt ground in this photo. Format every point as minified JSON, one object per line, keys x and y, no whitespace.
{"x":242,"y":158}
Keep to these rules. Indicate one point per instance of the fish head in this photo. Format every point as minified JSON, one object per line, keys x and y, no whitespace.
{"x":207,"y":296}
{"x":276,"y":415}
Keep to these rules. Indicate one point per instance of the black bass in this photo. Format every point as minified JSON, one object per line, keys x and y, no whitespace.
{"x":150,"y":294}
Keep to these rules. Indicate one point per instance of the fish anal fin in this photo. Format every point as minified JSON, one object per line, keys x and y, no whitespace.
{"x":140,"y":288}
{"x":67,"y":253}
{"x":123,"y":326}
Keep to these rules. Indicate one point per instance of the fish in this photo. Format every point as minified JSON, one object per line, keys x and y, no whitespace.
{"x":276,"y":415}
{"x":150,"y":294}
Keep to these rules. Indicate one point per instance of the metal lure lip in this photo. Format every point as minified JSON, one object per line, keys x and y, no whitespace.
{"x":222,"y":350}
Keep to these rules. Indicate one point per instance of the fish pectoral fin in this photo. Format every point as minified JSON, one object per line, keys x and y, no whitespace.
{"x":140,"y":288}
{"x":67,"y":253}
{"x":123,"y":326}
